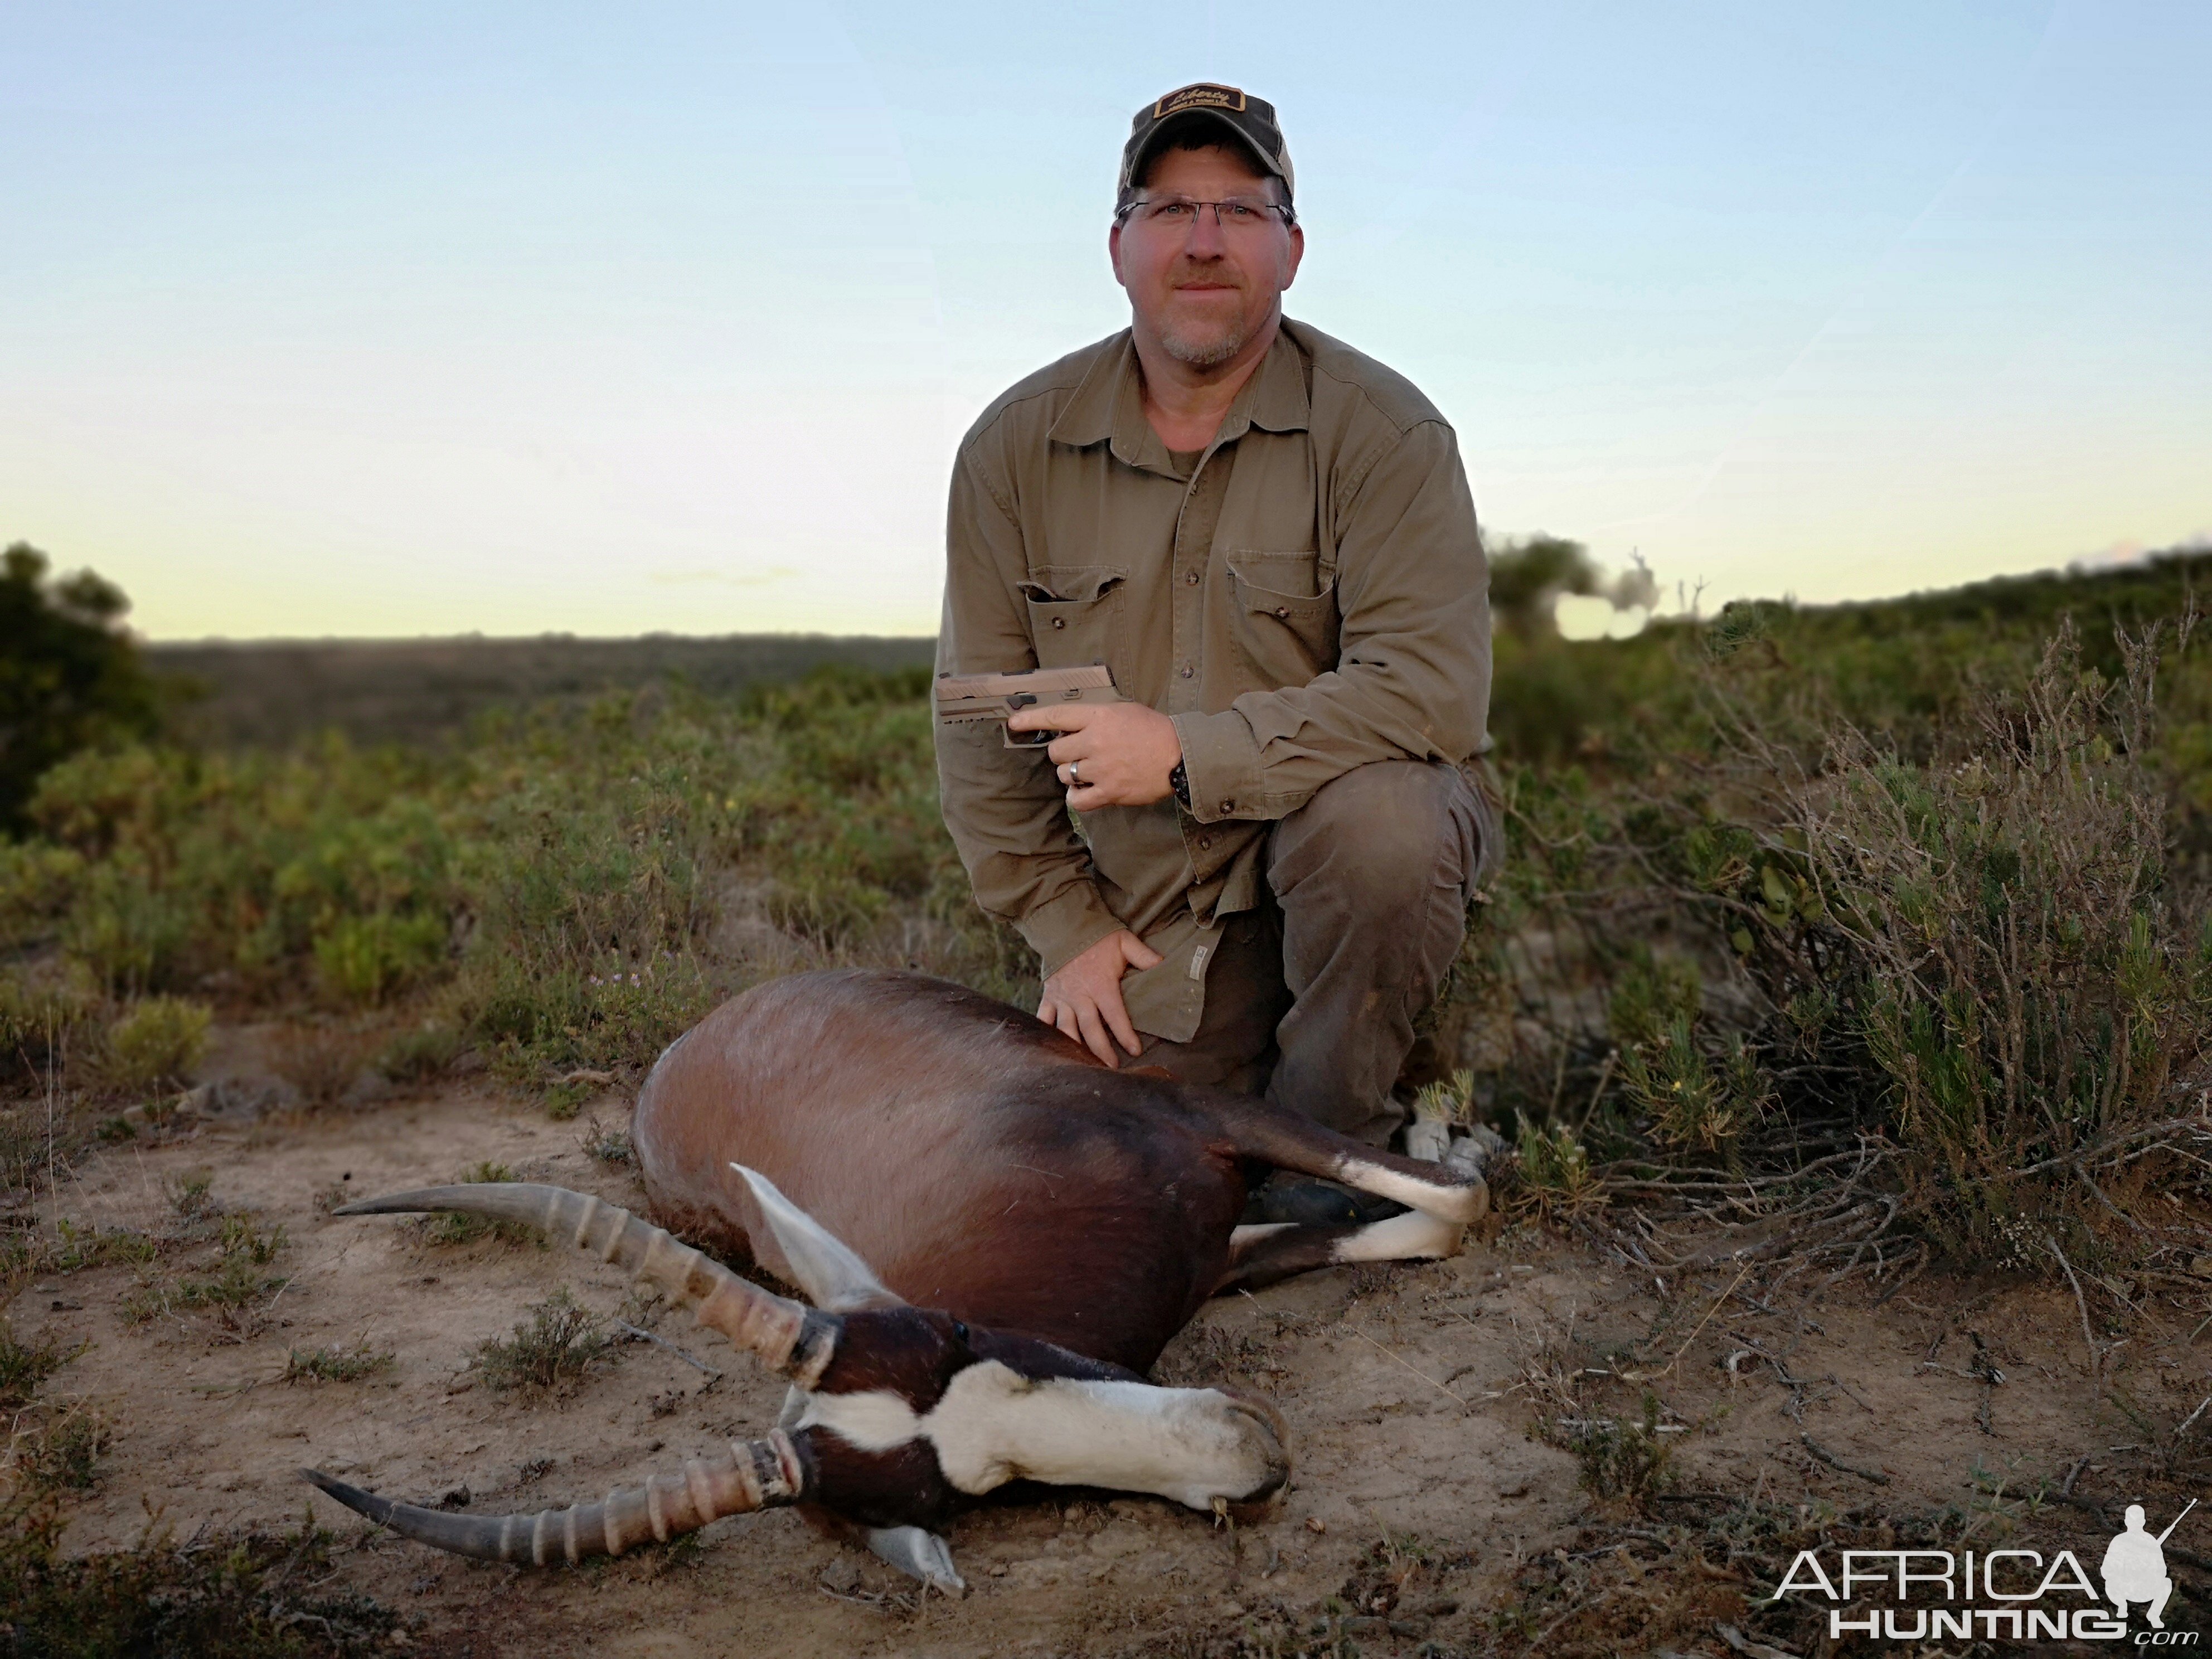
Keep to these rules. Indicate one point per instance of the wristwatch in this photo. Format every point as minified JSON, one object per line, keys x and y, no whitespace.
{"x":1179,"y":780}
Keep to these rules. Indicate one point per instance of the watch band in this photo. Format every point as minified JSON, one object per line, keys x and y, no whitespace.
{"x":1179,"y":781}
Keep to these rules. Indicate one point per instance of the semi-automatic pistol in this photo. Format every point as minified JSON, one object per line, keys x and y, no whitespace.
{"x":961,"y":698}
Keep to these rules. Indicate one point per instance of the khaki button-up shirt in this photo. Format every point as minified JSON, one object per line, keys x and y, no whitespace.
{"x":1311,"y":595}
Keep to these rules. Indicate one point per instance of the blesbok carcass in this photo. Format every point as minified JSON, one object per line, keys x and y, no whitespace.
{"x":999,"y":1235}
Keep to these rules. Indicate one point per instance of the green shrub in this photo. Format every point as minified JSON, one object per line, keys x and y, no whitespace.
{"x":541,"y":1025}
{"x":70,"y":676}
{"x":24,"y":1365}
{"x":320,"y":1059}
{"x":418,"y":1053}
{"x":61,"y":1452}
{"x":242,"y":1237}
{"x":1627,"y":1458}
{"x":38,"y":881}
{"x":335,"y":1365}
{"x":2019,"y":988}
{"x":1553,"y":1167}
{"x":242,"y":1251}
{"x":366,"y":958}
{"x":76,"y":1249}
{"x":564,"y":871}
{"x":606,"y":1145}
{"x":42,"y":1013}
{"x":132,"y":934}
{"x":156,"y":1043}
{"x":191,"y":1193}
{"x":250,"y":1595}
{"x":556,"y":1348}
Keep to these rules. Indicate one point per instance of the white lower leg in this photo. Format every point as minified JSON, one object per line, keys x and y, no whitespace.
{"x":1413,"y":1237}
{"x":1449,"y":1198}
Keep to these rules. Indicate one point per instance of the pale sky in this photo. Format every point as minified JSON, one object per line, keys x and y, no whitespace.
{"x":349,"y":319}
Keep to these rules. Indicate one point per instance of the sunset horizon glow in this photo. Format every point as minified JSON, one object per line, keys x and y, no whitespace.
{"x":344,"y":322}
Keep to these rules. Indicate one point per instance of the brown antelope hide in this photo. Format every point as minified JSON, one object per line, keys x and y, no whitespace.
{"x":998,"y":1234}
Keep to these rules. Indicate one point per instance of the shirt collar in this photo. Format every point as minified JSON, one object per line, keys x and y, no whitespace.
{"x":1108,"y":403}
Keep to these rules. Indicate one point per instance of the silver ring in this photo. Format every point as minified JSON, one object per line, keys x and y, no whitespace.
{"x":1074,"y":777}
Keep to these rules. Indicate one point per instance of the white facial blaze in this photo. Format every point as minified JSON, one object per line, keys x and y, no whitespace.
{"x":993,"y":1426}
{"x":875,"y":1421}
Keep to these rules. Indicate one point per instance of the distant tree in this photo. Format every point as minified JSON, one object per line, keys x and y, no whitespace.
{"x":1527,"y":578}
{"x":69,"y":673}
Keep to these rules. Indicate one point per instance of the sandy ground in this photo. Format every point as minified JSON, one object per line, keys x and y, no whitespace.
{"x":1410,"y":1392}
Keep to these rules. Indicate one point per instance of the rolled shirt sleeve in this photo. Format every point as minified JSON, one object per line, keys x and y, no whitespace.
{"x":1412,"y":674}
{"x":1005,"y":810}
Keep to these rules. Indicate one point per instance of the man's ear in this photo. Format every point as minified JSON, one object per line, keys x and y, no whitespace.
{"x":1297,"y":253}
{"x":1114,"y":252}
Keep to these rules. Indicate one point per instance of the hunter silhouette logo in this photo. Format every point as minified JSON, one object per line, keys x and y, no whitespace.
{"x":2134,"y":1566}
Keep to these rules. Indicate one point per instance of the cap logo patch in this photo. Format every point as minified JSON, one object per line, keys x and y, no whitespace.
{"x":1200,"y":97}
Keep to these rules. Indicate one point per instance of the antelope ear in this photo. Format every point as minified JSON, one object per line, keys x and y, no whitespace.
{"x":823,"y":1265}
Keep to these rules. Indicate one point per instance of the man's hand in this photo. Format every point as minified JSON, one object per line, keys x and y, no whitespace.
{"x":1084,"y":999}
{"x":1110,"y":754}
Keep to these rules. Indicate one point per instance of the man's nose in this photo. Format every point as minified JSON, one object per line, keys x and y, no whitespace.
{"x":1205,"y":239}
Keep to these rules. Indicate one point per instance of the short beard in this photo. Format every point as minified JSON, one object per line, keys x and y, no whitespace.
{"x":1203,"y":353}
{"x":1204,"y":348}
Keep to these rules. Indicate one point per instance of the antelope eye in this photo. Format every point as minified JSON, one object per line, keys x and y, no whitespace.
{"x":959,"y":1331}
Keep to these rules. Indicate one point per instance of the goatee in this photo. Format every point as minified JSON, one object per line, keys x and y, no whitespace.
{"x":1203,"y":352}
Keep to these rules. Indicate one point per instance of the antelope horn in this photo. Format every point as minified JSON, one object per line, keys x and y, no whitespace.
{"x":787,"y":1336}
{"x":752,"y":1474}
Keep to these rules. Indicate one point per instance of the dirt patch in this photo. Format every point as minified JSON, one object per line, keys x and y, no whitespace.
{"x":1444,"y":1417}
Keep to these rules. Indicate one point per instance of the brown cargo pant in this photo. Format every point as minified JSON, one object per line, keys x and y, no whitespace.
{"x":1310,"y":999}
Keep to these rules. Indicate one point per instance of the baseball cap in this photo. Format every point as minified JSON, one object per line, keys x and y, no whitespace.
{"x":1250,"y":121}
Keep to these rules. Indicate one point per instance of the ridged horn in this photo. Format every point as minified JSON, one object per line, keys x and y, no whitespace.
{"x":789,"y":1337}
{"x":752,"y":1474}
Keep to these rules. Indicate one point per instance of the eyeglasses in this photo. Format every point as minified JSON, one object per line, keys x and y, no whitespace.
{"x":1180,"y":213}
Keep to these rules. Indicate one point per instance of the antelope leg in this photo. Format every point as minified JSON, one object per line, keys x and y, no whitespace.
{"x":1273,"y":1135}
{"x":1262,"y":1254}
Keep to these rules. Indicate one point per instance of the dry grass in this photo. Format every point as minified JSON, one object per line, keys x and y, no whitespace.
{"x":58,"y":1450}
{"x":236,"y":1285}
{"x":250,"y":1595}
{"x":25,"y":1365}
{"x":450,"y":1230}
{"x":328,"y":1364}
{"x":554,"y":1350}
{"x":321,"y":1060}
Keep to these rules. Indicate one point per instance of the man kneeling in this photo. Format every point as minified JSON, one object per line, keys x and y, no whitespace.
{"x":1270,"y":540}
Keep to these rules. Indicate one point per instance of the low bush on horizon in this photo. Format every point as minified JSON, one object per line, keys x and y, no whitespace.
{"x":1911,"y":894}
{"x":1966,"y":974}
{"x":546,"y":894}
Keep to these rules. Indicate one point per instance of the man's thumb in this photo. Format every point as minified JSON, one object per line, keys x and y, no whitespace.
{"x":1138,"y":954}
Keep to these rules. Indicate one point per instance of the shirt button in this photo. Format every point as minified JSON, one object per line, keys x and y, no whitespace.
{"x":1059,"y":621}
{"x":1190,"y":579}
{"x":1206,"y":843}
{"x":1187,"y":670}
{"x":1281,"y":611}
{"x":1228,"y":806}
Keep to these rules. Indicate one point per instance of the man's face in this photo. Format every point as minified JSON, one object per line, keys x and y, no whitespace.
{"x":1203,"y":290}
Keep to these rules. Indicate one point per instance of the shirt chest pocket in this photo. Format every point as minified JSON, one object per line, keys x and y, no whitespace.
{"x":1283,"y":614}
{"x":1075,"y":613}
